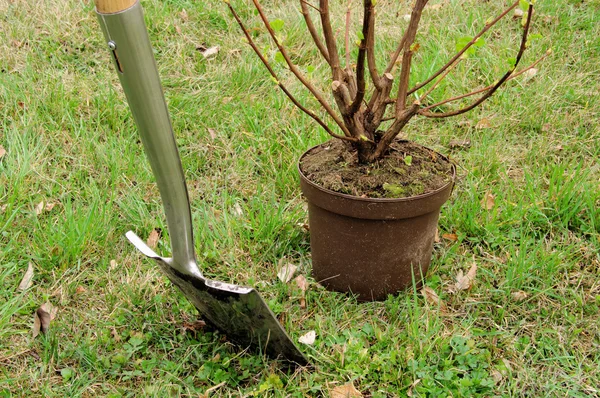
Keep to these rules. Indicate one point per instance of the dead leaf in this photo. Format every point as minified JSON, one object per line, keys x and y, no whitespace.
{"x":530,"y":73}
{"x":413,"y":385}
{"x":42,"y":318}
{"x":519,"y":295}
{"x":27,"y":280}
{"x":345,"y":391}
{"x":286,"y":273}
{"x":39,"y":208}
{"x":484,"y":124}
{"x":183,"y":15}
{"x":437,"y":236}
{"x":113,"y":264}
{"x":80,"y":289}
{"x":432,"y":298}
{"x":406,"y":17}
{"x":3,"y":208}
{"x":308,"y":338}
{"x":210,"y":52}
{"x":302,"y":283}
{"x":451,"y":237}
{"x":49,"y":206}
{"x":153,"y":238}
{"x":488,"y":201}
{"x":212,"y":133}
{"x":237,"y":210}
{"x":518,"y":13}
{"x":465,"y":282}
{"x":2,"y":151}
{"x":193,"y":326}
{"x":115,"y":334}
{"x":459,"y":144}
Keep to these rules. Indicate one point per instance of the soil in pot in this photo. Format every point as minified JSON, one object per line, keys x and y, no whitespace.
{"x":372,"y":226}
{"x":408,"y":170}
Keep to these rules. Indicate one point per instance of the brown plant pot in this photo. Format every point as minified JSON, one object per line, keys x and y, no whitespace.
{"x":371,"y":247}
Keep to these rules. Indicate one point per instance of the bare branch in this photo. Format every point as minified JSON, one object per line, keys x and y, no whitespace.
{"x":318,"y":96}
{"x":481,"y":90}
{"x":313,"y":30}
{"x":401,"y":120}
{"x":334,"y":59}
{"x":310,"y":5}
{"x":347,"y":35}
{"x":360,"y":62}
{"x":371,"y":49}
{"x":491,"y":91}
{"x":411,"y":33}
{"x":487,"y":27}
{"x":281,"y":86}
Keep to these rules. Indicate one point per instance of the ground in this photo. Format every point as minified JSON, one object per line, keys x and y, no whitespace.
{"x":74,"y":179}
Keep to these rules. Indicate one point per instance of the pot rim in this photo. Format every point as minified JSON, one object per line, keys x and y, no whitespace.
{"x":378,"y":200}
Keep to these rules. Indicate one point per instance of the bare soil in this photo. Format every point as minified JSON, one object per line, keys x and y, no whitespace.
{"x":409,"y":169}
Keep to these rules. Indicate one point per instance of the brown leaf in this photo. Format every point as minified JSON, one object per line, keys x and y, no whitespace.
{"x":451,"y":237}
{"x":80,"y":289}
{"x":413,"y":385}
{"x":519,"y":295}
{"x":301,"y":282}
{"x":210,"y":52}
{"x":193,"y":326}
{"x":484,"y":124}
{"x":27,"y":280}
{"x":345,"y":391}
{"x":488,"y":201}
{"x":2,"y":151}
{"x":437,"y":236}
{"x":115,"y":334}
{"x":432,"y":298}
{"x":113,"y":264}
{"x":3,"y":208}
{"x":153,"y":238}
{"x":213,"y":133}
{"x":39,"y":208}
{"x":42,"y":318}
{"x":518,"y":13}
{"x":286,"y":272}
{"x":49,"y":206}
{"x":465,"y":282}
{"x":183,"y":15}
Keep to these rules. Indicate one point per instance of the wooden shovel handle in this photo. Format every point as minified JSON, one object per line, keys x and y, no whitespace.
{"x":112,"y":6}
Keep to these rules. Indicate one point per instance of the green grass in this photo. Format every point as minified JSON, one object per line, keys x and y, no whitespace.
{"x":120,"y":328}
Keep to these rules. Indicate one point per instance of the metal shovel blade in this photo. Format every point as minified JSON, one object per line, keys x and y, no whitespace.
{"x":238,"y":312}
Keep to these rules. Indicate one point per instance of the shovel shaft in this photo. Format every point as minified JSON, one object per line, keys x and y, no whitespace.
{"x":122,"y":22}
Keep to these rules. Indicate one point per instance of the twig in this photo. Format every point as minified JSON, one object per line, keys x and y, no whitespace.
{"x":491,"y":91}
{"x":310,"y":5}
{"x":487,"y":27}
{"x":313,"y":30}
{"x":481,"y":90}
{"x":318,"y":96}
{"x":281,"y":86}
{"x":371,"y":51}
{"x":347,"y":34}
{"x":411,"y":33}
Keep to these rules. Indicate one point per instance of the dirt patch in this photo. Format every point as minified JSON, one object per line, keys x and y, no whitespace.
{"x":408,"y":170}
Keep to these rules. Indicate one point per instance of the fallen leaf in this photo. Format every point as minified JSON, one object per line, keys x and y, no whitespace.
{"x":42,"y":318}
{"x":406,"y":17}
{"x":49,"y":206}
{"x":3,"y":208}
{"x":518,"y":13}
{"x":2,"y":151}
{"x":413,"y":385}
{"x":210,"y":52}
{"x":483,"y":124}
{"x":519,"y":295}
{"x":212,"y":133}
{"x":237,"y":210}
{"x":183,"y":15}
{"x":302,"y":283}
{"x":153,"y":238}
{"x":39,"y":208}
{"x":530,"y":73}
{"x":115,"y":335}
{"x":437,"y":236}
{"x":488,"y":201}
{"x":451,"y":237}
{"x":27,"y":280}
{"x":465,"y":282}
{"x":308,"y":338}
{"x":113,"y":264}
{"x":80,"y":289}
{"x":432,"y":298}
{"x":459,"y":144}
{"x":558,"y":147}
{"x":193,"y":326}
{"x":286,"y":273}
{"x":345,"y":391}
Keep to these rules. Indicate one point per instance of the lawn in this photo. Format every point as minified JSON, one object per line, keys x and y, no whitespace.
{"x":74,"y":179}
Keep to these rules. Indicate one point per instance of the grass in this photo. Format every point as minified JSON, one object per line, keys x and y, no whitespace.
{"x":122,"y":330}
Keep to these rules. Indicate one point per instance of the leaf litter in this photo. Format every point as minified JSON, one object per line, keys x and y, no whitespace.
{"x":308,"y":338}
{"x":286,"y":272}
{"x":27,"y":280}
{"x":345,"y":391}
{"x":42,"y":318}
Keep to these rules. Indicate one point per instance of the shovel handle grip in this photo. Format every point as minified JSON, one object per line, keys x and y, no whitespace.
{"x":113,"y":6}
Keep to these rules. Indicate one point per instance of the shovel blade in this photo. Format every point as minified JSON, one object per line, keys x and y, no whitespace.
{"x":238,"y":312}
